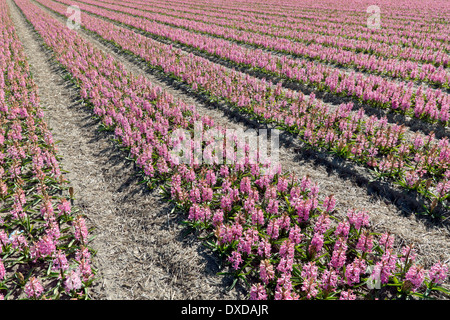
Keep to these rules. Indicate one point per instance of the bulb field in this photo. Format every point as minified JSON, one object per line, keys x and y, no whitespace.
{"x":135,"y":139}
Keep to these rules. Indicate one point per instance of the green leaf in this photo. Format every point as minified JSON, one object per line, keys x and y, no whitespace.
{"x":233,"y":284}
{"x":443,"y":290}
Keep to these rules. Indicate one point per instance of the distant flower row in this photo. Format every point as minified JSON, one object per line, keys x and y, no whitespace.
{"x":422,"y":64}
{"x":424,"y":103}
{"x":314,"y":31}
{"x":349,"y":24}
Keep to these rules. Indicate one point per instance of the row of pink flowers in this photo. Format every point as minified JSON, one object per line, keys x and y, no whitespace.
{"x":312,"y":46}
{"x":37,"y":221}
{"x":339,"y":23}
{"x":318,"y":32}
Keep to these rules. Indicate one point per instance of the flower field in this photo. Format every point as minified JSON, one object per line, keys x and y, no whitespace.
{"x":317,"y":72}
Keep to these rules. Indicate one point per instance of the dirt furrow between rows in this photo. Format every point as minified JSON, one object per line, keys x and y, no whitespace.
{"x":141,"y":251}
{"x":351,"y":189}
